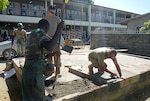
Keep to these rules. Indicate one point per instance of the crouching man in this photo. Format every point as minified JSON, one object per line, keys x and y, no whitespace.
{"x":97,"y":57}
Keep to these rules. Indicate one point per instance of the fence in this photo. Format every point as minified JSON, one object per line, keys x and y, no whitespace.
{"x":135,"y":43}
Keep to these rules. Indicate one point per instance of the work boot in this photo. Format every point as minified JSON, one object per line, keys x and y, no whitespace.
{"x":100,"y":71}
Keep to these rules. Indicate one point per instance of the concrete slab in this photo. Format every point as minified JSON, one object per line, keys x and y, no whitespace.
{"x":134,"y":69}
{"x":129,"y":65}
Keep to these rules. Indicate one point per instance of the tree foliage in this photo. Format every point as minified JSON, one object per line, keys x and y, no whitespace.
{"x":146,"y":27}
{"x":66,"y":1}
{"x":3,"y":4}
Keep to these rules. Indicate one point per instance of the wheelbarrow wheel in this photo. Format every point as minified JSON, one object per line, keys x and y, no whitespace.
{"x":9,"y":53}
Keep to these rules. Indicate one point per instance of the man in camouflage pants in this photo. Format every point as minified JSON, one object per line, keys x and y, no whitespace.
{"x":33,"y":86}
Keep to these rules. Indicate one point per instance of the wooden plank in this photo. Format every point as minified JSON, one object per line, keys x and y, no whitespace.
{"x":78,"y":73}
{"x":96,"y":78}
{"x":18,"y":64}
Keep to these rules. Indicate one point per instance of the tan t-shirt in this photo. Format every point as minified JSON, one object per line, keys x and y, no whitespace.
{"x":53,"y":21}
{"x":97,"y":56}
{"x":19,"y":34}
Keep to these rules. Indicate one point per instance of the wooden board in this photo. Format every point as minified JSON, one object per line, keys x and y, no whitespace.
{"x":98,"y":78}
{"x":18,"y":64}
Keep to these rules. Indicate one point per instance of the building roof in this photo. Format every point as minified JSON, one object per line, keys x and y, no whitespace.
{"x":125,"y":22}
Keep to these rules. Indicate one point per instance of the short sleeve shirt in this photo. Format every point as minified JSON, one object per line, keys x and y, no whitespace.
{"x":33,"y":44}
{"x":97,"y":56}
{"x":53,"y":21}
{"x":19,"y":34}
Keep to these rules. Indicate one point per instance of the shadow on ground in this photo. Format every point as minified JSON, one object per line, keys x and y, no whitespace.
{"x":14,"y":88}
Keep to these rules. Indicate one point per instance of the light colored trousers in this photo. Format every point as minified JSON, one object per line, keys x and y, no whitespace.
{"x":20,"y":47}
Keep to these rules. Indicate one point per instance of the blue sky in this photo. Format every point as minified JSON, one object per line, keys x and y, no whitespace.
{"x":134,"y":6}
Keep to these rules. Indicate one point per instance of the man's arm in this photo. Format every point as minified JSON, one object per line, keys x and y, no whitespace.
{"x":12,"y":41}
{"x":49,"y":36}
{"x":13,"y":37}
{"x":102,"y":66}
{"x":25,"y":35}
{"x":117,"y":66}
{"x":49,"y":44}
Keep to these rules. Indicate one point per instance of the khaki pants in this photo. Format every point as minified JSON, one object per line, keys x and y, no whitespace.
{"x":20,"y":47}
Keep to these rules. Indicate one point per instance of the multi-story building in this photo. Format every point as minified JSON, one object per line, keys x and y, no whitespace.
{"x":80,"y":16}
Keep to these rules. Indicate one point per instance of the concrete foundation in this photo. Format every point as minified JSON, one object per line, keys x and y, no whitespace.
{"x":136,"y":70}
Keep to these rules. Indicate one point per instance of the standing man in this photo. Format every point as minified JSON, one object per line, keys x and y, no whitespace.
{"x":33,"y":85}
{"x":55,"y":53}
{"x":97,"y":57}
{"x":20,"y":35}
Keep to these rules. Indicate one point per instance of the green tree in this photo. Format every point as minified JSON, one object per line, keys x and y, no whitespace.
{"x":3,"y":4}
{"x":146,"y":27}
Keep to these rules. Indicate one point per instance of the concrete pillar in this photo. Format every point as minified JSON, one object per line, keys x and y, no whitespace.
{"x":82,"y":13}
{"x":100,"y":16}
{"x":114,"y":17}
{"x":46,"y":6}
{"x":81,"y":27}
{"x":89,"y":19}
{"x":51,"y":2}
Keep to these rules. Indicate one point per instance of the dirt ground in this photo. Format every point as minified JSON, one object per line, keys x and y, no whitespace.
{"x":66,"y":88}
{"x":63,"y":89}
{"x":60,"y":90}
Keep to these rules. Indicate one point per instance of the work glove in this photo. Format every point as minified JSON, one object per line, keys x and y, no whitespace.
{"x":60,"y":25}
{"x":49,"y":70}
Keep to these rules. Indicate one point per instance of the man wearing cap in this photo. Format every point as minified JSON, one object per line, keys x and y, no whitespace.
{"x":53,"y":21}
{"x":20,"y":35}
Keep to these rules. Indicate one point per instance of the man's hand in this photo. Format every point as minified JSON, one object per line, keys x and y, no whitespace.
{"x":114,"y":75}
{"x":121,"y":77}
{"x":49,"y":36}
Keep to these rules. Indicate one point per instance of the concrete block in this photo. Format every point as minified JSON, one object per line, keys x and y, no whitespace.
{"x":114,"y":86}
{"x":129,"y":81}
{"x":144,"y":76}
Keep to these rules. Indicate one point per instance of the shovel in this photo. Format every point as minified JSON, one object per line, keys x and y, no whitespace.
{"x":67,"y":48}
